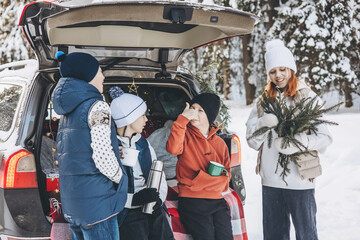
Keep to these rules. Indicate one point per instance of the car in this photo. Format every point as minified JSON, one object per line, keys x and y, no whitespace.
{"x":139,"y":47}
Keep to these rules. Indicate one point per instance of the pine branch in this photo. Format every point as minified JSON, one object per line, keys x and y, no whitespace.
{"x":304,"y":116}
{"x":259,"y":132}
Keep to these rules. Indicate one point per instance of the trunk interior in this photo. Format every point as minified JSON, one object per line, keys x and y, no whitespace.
{"x":165,"y":100}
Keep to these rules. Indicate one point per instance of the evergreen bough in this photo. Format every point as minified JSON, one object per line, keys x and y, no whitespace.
{"x":303,"y":116}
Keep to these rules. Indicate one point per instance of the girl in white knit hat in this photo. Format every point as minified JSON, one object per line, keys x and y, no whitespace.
{"x":295,"y":196}
{"x":137,"y":155}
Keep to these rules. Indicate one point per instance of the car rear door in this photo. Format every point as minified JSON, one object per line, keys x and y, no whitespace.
{"x":154,"y":33}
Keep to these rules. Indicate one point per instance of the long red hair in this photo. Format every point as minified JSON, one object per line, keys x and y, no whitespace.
{"x":290,"y":89}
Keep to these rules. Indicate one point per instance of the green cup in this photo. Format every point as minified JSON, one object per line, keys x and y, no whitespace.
{"x":216,"y":169}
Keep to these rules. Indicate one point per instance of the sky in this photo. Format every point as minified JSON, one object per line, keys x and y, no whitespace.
{"x":337,"y":190}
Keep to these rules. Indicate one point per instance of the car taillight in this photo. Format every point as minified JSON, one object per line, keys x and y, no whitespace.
{"x":235,"y":157}
{"x":18,"y":171}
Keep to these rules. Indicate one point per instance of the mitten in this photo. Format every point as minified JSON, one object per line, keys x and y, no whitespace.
{"x":268,"y":120}
{"x":292,"y":148}
{"x":157,"y":207}
{"x":145,"y":196}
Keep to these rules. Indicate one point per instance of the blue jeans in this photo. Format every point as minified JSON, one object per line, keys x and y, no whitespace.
{"x":279,"y":204}
{"x":106,"y":230}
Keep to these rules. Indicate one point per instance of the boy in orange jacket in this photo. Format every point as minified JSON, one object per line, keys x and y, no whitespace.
{"x":202,"y":208}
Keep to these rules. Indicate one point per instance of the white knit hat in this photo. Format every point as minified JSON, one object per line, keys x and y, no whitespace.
{"x":125,"y":107}
{"x":277,"y":55}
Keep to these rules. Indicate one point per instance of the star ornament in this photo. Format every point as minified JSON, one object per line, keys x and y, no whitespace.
{"x":133,"y":88}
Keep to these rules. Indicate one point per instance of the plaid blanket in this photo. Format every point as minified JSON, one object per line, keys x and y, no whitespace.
{"x":232,"y":199}
{"x":61,"y":230}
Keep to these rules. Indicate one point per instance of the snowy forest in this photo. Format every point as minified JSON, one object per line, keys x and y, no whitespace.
{"x":324,"y":36}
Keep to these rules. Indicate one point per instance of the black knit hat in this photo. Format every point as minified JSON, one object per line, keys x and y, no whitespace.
{"x":78,"y":65}
{"x":210,"y":103}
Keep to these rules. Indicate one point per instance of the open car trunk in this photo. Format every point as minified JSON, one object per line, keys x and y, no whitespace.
{"x":150,"y":33}
{"x":140,"y":43}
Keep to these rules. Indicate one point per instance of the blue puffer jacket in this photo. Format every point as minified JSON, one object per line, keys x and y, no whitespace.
{"x":87,"y":196}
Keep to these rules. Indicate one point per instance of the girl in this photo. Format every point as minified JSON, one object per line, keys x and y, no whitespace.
{"x":294,"y":197}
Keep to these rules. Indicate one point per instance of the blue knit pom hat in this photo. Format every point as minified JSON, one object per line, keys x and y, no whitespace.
{"x":125,"y":107}
{"x":78,"y":65}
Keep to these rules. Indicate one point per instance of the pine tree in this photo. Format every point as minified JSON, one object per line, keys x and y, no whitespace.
{"x":322,"y":35}
{"x":344,"y":46}
{"x":302,"y":25}
{"x":13,"y":45}
{"x":255,"y":77}
{"x":236,"y":70}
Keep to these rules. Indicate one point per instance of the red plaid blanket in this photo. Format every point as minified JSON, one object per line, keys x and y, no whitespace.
{"x":61,"y":230}
{"x":232,"y":199}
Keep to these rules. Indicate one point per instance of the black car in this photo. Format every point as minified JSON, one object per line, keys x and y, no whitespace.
{"x":138,"y":45}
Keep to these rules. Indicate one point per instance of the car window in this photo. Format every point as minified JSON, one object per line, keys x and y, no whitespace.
{"x":173,"y":101}
{"x":162,"y":102}
{"x":9,"y":99}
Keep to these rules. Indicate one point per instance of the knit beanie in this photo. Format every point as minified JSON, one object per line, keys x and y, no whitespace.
{"x":210,"y":103}
{"x":277,"y":55}
{"x":78,"y":65}
{"x":125,"y":107}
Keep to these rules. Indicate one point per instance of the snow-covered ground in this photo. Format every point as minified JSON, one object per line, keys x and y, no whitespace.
{"x":337,"y":190}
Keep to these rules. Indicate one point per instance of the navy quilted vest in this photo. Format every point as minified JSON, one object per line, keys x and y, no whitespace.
{"x":87,"y":196}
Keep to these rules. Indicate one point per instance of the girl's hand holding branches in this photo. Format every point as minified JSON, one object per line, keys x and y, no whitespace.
{"x":268,"y":120}
{"x":300,"y":142}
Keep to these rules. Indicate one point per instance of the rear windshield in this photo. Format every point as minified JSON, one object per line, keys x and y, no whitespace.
{"x":9,"y":99}
{"x":162,"y":102}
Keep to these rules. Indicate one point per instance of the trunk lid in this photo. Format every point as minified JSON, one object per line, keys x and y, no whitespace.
{"x":146,"y":33}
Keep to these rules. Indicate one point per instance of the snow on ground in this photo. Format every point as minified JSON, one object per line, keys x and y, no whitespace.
{"x":337,"y":190}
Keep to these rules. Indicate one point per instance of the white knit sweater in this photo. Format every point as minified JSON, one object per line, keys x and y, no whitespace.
{"x":269,"y":159}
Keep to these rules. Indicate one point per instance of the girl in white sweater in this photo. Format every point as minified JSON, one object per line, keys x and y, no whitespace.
{"x":294,"y":197}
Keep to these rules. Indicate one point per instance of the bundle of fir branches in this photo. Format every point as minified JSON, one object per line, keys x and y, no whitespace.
{"x":304,"y":116}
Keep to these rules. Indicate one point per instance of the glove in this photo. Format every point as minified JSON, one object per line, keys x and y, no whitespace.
{"x":157,"y":209}
{"x":268,"y":120}
{"x":145,"y":196}
{"x":292,"y":148}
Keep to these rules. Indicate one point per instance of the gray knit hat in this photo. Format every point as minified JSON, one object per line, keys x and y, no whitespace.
{"x":125,"y":107}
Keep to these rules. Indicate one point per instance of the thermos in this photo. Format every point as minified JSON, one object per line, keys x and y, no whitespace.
{"x":154,"y":181}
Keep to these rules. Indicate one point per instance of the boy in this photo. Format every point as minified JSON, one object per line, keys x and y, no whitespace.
{"x":202,"y":208}
{"x":89,"y":159}
{"x":128,"y":111}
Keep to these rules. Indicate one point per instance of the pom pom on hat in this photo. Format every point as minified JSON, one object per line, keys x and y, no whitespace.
{"x":277,"y":55}
{"x":77,"y":65}
{"x":115,"y":92}
{"x":273,"y":44}
{"x":210,"y":103}
{"x":60,"y":56}
{"x":125,"y":107}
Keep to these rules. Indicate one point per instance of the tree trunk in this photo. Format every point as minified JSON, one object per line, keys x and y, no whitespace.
{"x":272,"y":13}
{"x":250,"y":89}
{"x":347,"y":92}
{"x":227,"y":83}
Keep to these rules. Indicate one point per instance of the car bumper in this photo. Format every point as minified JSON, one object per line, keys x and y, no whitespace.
{"x":22,"y":215}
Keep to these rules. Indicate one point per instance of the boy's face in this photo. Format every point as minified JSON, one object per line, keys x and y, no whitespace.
{"x":98,"y":80}
{"x":138,"y":125}
{"x":202,"y":121}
